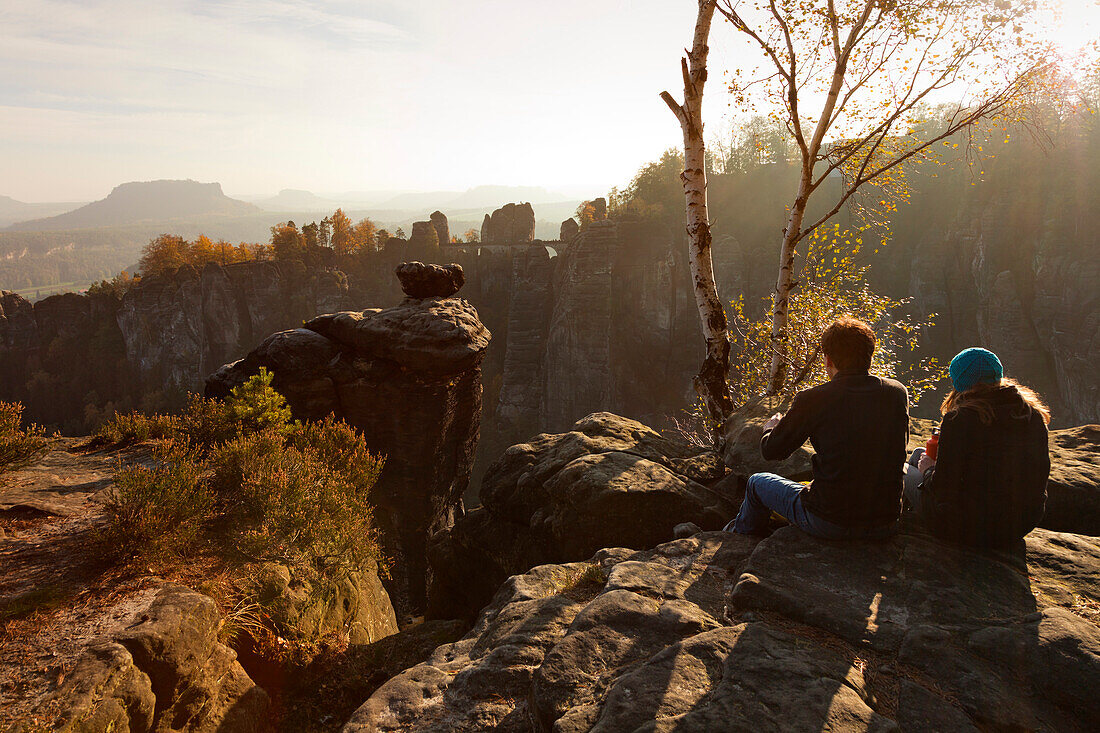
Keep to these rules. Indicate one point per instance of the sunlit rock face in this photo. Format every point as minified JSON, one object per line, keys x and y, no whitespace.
{"x":182,"y":326}
{"x":720,"y":631}
{"x":408,"y":377}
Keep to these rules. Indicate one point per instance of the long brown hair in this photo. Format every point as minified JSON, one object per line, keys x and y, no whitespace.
{"x":980,"y":399}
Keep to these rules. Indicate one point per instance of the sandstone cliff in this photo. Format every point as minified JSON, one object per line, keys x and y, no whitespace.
{"x":409,"y":378}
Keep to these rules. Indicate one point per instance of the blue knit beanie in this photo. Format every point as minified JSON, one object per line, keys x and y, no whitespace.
{"x":975,"y":366}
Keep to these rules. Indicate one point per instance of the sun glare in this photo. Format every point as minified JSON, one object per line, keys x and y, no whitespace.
{"x":1073,"y":25}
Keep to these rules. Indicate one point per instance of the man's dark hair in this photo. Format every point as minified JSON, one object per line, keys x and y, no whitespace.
{"x":849,"y":343}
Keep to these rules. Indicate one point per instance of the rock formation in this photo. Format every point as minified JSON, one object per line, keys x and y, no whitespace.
{"x":409,"y":378}
{"x":430,"y":281}
{"x":519,"y":405}
{"x":166,"y":672}
{"x":423,"y":235}
{"x":569,"y":229}
{"x":182,"y":326}
{"x":510,"y":224}
{"x":725,"y":632}
{"x":608,"y":481}
{"x":442,"y":228}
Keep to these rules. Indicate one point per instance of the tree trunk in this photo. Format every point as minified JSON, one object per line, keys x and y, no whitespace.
{"x":784,"y":284}
{"x":712,"y":382}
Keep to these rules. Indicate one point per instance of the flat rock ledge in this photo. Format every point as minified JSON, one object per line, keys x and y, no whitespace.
{"x":724,"y":632}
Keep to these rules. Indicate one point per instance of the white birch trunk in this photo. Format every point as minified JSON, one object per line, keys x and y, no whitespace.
{"x":712,"y":382}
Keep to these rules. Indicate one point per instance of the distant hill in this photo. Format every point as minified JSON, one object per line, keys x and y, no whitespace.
{"x":290,"y":199}
{"x":496,"y":196}
{"x":12,"y":211}
{"x":146,"y":201}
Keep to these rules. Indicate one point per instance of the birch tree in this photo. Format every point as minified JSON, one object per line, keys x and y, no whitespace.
{"x":712,"y":382}
{"x":850,"y":80}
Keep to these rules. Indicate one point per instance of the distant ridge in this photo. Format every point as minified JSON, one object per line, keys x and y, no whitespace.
{"x":12,"y":210}
{"x":290,"y":199}
{"x":489,"y":197}
{"x":146,"y":201}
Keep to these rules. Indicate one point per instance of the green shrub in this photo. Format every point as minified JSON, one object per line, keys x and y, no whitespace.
{"x":268,"y":487}
{"x":256,"y":405}
{"x":127,"y":428}
{"x":158,"y":510}
{"x":252,"y":406}
{"x":18,"y":446}
{"x":303,"y":501}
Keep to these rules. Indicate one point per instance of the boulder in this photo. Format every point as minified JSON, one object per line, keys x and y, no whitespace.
{"x":724,"y":632}
{"x":355,"y":606}
{"x":1073,"y":491}
{"x":409,"y":378}
{"x":608,"y":481}
{"x":430,"y":281}
{"x":168,"y":672}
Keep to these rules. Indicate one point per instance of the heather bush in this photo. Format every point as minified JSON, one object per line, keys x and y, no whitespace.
{"x":158,"y":510}
{"x":127,"y":428}
{"x":18,"y":446}
{"x":261,"y":485}
{"x":252,"y":406}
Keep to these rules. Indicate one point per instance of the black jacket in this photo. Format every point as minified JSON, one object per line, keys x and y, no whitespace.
{"x":989,"y":485}
{"x":859,"y":425}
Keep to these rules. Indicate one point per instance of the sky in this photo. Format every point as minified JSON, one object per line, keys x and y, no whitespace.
{"x":262,"y":95}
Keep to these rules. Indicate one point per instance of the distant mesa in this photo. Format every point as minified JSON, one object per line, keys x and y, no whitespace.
{"x":146,"y":201}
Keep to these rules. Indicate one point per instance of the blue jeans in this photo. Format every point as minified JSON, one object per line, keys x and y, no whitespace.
{"x":767,"y":493}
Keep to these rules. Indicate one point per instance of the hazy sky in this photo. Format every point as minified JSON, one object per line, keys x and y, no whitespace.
{"x":261,"y":95}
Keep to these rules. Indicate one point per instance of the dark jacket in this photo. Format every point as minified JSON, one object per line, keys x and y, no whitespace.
{"x":989,"y":484}
{"x":859,"y":425}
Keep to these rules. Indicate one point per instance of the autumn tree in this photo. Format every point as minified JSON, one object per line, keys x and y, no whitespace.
{"x":364,"y":236}
{"x":163,"y":254}
{"x":341,"y":237}
{"x":286,"y":241}
{"x":471,"y":236}
{"x":712,"y":382}
{"x":851,"y":80}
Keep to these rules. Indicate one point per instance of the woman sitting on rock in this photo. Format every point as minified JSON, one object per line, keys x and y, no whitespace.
{"x":986,"y":485}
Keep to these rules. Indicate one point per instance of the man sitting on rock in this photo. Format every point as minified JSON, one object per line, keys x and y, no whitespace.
{"x":858,"y":425}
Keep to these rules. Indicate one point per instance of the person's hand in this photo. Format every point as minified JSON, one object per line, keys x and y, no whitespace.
{"x":925,"y":463}
{"x":773,"y":421}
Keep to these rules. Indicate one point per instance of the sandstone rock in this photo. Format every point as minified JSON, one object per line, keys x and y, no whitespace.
{"x":409,"y":378}
{"x":609,"y":481}
{"x":721,"y":632}
{"x":741,"y":451}
{"x":1073,"y":491}
{"x":357,"y":607}
{"x":423,"y":237}
{"x":166,"y":673}
{"x":430,"y":281}
{"x":442,"y":228}
{"x":437,"y":336}
{"x":179,"y":328}
{"x":519,"y":404}
{"x":569,"y":229}
{"x":18,"y":328}
{"x":510,"y":224}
